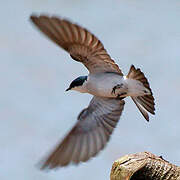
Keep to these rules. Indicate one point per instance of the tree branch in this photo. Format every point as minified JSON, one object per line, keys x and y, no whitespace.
{"x":144,"y":166}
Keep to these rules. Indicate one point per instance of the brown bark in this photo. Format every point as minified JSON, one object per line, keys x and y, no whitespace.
{"x":144,"y":166}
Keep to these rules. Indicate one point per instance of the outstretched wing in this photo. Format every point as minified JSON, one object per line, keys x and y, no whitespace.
{"x":80,"y":43}
{"x":89,"y":135}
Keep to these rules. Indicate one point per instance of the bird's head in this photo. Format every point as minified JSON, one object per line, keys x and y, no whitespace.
{"x":77,"y":84}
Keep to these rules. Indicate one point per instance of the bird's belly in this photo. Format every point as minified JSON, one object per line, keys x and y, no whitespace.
{"x":102,"y":91}
{"x":103,"y":86}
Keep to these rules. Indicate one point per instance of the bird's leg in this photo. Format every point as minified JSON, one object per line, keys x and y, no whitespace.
{"x":119,"y":96}
{"x":118,"y":86}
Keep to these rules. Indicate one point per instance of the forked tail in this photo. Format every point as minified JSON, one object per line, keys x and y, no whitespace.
{"x":144,"y":103}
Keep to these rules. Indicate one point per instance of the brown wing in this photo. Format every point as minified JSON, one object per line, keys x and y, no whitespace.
{"x":89,"y":135}
{"x":80,"y":43}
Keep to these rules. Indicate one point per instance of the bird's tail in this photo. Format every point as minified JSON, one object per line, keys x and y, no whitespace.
{"x":144,"y":103}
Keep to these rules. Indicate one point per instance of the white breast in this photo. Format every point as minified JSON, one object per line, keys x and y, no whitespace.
{"x":101,"y":84}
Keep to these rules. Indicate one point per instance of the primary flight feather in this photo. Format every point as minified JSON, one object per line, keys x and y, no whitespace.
{"x":105,"y":82}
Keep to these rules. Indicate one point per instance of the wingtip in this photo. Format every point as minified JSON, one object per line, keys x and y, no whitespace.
{"x":132,"y":66}
{"x":33,"y":16}
{"x":147,"y":119}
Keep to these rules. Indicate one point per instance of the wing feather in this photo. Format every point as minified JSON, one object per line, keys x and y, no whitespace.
{"x":82,"y":45}
{"x":89,"y":135}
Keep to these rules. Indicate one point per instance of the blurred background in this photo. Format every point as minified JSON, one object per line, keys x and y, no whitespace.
{"x":36,"y":112}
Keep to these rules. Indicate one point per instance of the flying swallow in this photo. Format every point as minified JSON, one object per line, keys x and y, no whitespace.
{"x":105,"y":82}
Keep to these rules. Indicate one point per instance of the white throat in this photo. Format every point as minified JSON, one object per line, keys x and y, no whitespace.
{"x":80,"y":89}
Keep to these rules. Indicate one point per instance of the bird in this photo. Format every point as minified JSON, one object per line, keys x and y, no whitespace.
{"x":105,"y":81}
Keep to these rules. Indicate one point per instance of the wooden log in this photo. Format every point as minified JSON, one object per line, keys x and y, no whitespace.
{"x":144,"y":166}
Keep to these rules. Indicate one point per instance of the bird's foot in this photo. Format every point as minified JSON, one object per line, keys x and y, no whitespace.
{"x":118,"y":86}
{"x":121,"y":96}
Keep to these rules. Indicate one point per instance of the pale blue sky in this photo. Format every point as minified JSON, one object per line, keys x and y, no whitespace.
{"x":36,"y":112}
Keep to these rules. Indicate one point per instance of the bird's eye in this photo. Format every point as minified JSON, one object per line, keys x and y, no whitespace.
{"x":145,"y":91}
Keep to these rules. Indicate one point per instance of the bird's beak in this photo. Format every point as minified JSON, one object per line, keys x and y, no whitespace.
{"x":68,"y":89}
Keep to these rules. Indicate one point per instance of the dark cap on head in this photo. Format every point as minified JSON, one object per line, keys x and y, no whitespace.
{"x":77,"y":82}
